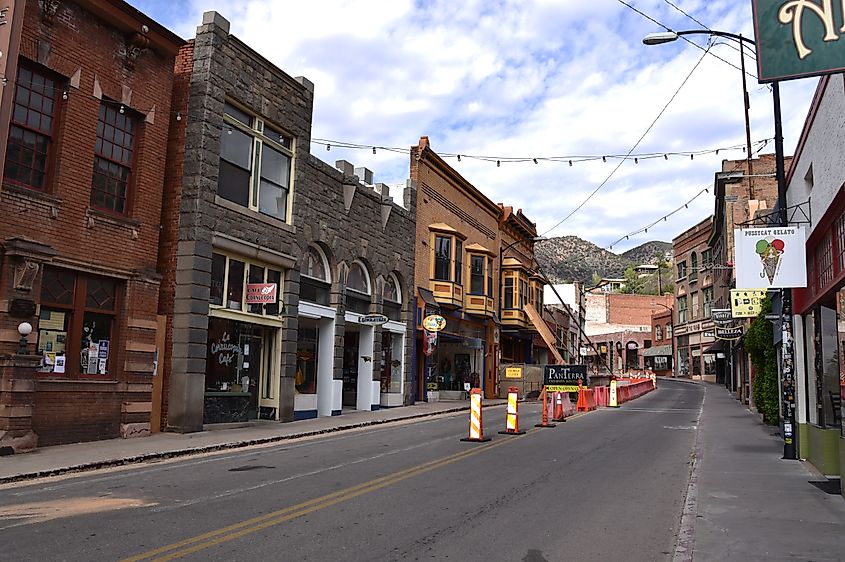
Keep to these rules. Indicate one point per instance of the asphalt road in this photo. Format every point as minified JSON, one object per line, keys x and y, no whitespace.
{"x":608,"y":485}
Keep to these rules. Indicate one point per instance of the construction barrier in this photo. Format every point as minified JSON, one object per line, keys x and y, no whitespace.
{"x":563,"y":407}
{"x":512,"y":418}
{"x":476,"y":429}
{"x":586,"y":400}
{"x":545,"y":411}
{"x":602,"y":395}
{"x":635,"y":390}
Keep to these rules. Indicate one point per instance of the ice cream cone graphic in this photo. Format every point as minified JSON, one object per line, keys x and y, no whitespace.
{"x":770,"y":251}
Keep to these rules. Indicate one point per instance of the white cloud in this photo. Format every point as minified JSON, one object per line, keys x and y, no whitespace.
{"x":520,"y":78}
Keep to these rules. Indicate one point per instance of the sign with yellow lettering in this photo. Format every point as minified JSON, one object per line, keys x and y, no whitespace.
{"x":513,"y":372}
{"x":746,"y":303}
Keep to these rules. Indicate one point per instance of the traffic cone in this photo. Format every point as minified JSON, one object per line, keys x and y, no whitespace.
{"x":560,"y":415}
{"x":545,"y":417}
{"x":512,"y":419}
{"x":581,"y":405}
{"x":476,"y":430}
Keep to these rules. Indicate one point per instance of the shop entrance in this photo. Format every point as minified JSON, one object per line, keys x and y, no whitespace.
{"x":359,"y":389}
{"x":350,"y":368}
{"x":251,"y":368}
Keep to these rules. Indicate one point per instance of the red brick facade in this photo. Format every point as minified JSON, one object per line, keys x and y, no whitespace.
{"x":105,"y":59}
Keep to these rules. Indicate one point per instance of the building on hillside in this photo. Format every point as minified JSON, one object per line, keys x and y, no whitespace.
{"x":272,"y":260}
{"x":742,"y":191}
{"x":86,"y":105}
{"x":817,"y":175}
{"x":660,"y":356}
{"x":475,"y":268}
{"x":693,"y":329}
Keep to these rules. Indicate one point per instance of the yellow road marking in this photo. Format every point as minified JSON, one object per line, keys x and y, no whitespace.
{"x":255,"y":524}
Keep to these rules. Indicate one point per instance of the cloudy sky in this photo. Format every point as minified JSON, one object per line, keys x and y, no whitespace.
{"x":509,"y":79}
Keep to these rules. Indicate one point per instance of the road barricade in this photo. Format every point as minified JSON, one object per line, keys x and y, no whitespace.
{"x":476,"y":428}
{"x":547,"y":411}
{"x":512,"y":418}
{"x":634,"y":390}
{"x":563,"y":407}
{"x":586,"y":400}
{"x":602,"y":393}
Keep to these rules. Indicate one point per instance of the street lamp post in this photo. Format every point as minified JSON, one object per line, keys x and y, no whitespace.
{"x":787,"y":375}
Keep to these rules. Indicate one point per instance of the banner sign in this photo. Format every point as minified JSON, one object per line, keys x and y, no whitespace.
{"x":747,"y":303}
{"x":769,"y":258}
{"x":261,"y":293}
{"x":721,"y":316}
{"x":429,"y":342}
{"x":567,"y":375}
{"x":732,"y":333}
{"x":798,"y":38}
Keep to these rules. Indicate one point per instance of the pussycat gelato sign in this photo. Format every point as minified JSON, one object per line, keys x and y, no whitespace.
{"x":768,"y":258}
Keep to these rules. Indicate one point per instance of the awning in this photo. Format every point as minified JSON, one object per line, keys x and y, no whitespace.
{"x":428,"y":297}
{"x":658,"y":351}
{"x":717,"y":346}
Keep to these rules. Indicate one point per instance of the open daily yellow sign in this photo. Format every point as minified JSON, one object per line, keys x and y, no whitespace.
{"x":561,"y":388}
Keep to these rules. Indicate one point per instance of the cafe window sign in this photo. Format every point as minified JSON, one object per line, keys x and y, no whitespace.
{"x":237,"y":284}
{"x":799,"y":38}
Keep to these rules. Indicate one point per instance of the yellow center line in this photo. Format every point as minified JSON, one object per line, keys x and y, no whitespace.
{"x":238,"y":530}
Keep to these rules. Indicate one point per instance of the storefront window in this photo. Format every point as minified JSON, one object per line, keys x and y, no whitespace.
{"x":391,"y":362}
{"x":306,"y":356}
{"x":77,"y":320}
{"x":228,"y":278}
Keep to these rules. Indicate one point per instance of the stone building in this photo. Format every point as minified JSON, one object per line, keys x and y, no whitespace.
{"x":693,"y":329}
{"x":274,"y":262}
{"x":86,"y":105}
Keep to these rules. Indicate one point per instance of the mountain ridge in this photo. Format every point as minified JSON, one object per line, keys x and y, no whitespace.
{"x":571,"y":258}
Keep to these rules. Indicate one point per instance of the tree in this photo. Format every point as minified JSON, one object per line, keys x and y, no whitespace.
{"x":664,"y":269}
{"x":596,"y":279}
{"x":633,"y":283}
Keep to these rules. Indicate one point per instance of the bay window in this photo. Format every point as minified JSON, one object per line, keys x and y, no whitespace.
{"x":255,"y":164}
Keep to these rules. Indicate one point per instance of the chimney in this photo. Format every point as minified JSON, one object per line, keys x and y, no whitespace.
{"x":346,"y":167}
{"x":384,"y":189}
{"x":365,"y":175}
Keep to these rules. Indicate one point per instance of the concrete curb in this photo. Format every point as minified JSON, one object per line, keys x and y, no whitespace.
{"x":186,"y":452}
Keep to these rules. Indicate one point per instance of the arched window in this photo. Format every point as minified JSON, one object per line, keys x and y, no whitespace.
{"x":315,"y":281}
{"x":358,"y":289}
{"x":392,"y":298}
{"x":315,"y":265}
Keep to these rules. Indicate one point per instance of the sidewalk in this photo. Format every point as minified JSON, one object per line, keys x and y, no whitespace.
{"x":61,"y":459}
{"x":746,"y":502}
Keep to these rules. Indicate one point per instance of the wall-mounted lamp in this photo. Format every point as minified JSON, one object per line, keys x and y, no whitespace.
{"x":24,"y":329}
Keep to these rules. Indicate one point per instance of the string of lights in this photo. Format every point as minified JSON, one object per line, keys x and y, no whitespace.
{"x":665,"y":218}
{"x":571,"y":159}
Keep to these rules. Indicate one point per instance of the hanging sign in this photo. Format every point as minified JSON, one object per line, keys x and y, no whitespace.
{"x":721,"y":316}
{"x":770,"y":257}
{"x":747,"y":303}
{"x":373,"y":319}
{"x":261,"y":293}
{"x":434,"y":323}
{"x":798,"y":38}
{"x":731,"y":333}
{"x":429,"y":342}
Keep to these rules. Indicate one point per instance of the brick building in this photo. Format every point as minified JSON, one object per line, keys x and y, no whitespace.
{"x":81,"y":207}
{"x":461,"y":236}
{"x":271,"y":259}
{"x":659,"y":357}
{"x":693,"y":329}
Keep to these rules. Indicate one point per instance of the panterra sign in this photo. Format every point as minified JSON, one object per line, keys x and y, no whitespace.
{"x":799,"y":38}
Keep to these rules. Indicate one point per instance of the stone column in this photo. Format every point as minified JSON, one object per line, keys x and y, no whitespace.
{"x":17,"y":402}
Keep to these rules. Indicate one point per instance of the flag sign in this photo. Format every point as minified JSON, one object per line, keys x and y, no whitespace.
{"x":769,"y":258}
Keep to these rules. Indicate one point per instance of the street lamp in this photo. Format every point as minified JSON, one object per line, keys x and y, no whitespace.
{"x":786,"y":375}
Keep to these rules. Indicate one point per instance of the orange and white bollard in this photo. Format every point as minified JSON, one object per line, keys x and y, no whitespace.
{"x":512,"y":419}
{"x":476,"y":430}
{"x":545,"y":417}
{"x":560,"y":415}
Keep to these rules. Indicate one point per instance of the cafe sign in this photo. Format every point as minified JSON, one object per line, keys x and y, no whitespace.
{"x":434,"y":323}
{"x":798,"y":38}
{"x":261,"y":293}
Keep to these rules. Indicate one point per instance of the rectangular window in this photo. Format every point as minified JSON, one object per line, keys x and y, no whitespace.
{"x":116,"y":132}
{"x":229,"y":277}
{"x":490,"y":277}
{"x":255,"y":164}
{"x":509,"y":288}
{"x":708,"y":301}
{"x":839,"y":240}
{"x":76,"y":327}
{"x":706,"y":259}
{"x":442,"y":258}
{"x":218,"y":279}
{"x":682,"y":310}
{"x":235,"y":282}
{"x":459,"y":256}
{"x":682,"y":270}
{"x":523,"y":292}
{"x":31,"y":129}
{"x":477,"y":276}
{"x":824,"y":261}
{"x":694,"y":310}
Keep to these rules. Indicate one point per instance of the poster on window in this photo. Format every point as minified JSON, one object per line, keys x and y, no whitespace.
{"x":768,"y":258}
